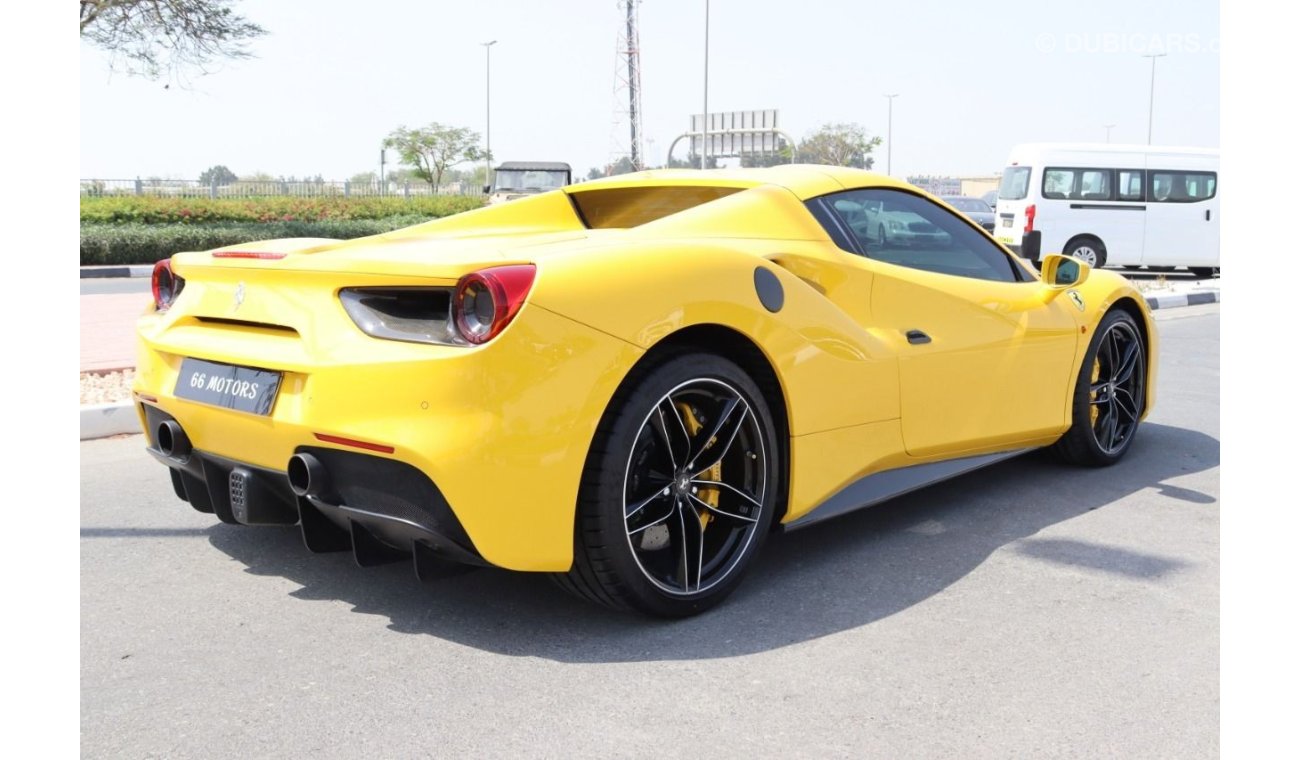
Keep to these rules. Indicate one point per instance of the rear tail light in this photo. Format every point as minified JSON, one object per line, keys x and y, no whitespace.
{"x":1030,"y":211}
{"x":166,"y":285}
{"x":486,"y":300}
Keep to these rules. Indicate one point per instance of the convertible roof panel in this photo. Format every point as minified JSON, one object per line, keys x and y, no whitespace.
{"x":804,"y":180}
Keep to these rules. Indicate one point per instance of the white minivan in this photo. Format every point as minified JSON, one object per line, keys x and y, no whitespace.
{"x":1123,"y":205}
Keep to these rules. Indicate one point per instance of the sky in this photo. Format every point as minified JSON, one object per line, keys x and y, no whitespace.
{"x":333,"y":78}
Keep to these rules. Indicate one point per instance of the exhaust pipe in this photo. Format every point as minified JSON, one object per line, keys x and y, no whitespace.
{"x":172,"y":441}
{"x":307,"y":476}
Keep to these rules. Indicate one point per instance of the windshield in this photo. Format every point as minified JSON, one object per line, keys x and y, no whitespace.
{"x":974,"y":205}
{"x":519,"y":179}
{"x":1015,"y":184}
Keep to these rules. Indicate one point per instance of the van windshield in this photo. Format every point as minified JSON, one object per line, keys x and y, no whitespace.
{"x":1015,"y":184}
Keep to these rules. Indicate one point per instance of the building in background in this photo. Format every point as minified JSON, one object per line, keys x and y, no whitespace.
{"x":937,"y":185}
{"x":971,"y":187}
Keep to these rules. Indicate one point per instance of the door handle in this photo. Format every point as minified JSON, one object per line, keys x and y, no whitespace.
{"x":1207,"y":215}
{"x":917,"y":338}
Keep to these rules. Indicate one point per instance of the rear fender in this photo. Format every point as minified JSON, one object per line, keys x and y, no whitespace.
{"x":833,"y":372}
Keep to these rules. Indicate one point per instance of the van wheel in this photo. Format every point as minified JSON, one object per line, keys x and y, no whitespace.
{"x":1089,"y":250}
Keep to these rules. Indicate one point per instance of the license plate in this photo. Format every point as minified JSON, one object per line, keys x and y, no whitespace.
{"x":243,"y":389}
{"x":1006,"y":222}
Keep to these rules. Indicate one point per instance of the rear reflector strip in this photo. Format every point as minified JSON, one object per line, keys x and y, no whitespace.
{"x":247,"y":255}
{"x":354,"y":443}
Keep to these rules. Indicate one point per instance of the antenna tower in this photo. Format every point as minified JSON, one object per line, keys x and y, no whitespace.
{"x":625,"y":137}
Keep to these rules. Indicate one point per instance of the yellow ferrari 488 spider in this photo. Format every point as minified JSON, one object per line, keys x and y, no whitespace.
{"x":628,"y":383}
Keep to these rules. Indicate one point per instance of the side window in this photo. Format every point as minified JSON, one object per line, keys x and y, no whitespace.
{"x":1058,"y":183}
{"x":1182,"y":187}
{"x":1077,"y":184}
{"x":1129,"y":185}
{"x":1094,"y":185}
{"x":904,"y":229}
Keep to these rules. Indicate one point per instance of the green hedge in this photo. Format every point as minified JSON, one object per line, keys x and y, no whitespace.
{"x":147,"y":243}
{"x":155,"y":210}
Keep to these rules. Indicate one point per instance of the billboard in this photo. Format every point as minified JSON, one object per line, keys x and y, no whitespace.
{"x":736,"y":133}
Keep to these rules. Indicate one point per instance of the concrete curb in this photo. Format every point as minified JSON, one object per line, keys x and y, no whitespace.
{"x":103,"y":420}
{"x":140,"y":270}
{"x":1182,"y":299}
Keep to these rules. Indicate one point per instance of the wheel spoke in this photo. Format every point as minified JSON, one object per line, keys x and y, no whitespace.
{"x":1098,"y":393}
{"x":728,"y":407}
{"x":685,"y":449}
{"x":1108,"y":427}
{"x":630,"y":512}
{"x":661,"y":427}
{"x":1112,"y":351}
{"x":1128,"y":363}
{"x":690,"y":546}
{"x":722,"y":512}
{"x":715,"y":453}
{"x":729,"y":487}
{"x":657,"y":521}
{"x":1126,"y":403}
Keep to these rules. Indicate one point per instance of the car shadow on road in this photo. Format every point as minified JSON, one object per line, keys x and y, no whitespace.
{"x":831,"y":577}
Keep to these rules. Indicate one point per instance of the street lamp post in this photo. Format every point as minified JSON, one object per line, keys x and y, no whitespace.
{"x":1151,"y":104}
{"x":487,"y":156}
{"x":1108,"y":127}
{"x":889,"y":137}
{"x":704,"y":123}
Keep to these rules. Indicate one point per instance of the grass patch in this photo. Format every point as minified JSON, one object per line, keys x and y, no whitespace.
{"x":147,"y":243}
{"x":155,"y":210}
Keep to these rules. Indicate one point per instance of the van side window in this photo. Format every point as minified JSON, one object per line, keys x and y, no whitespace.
{"x":1129,"y":187}
{"x":1182,"y":187}
{"x":1077,"y":184}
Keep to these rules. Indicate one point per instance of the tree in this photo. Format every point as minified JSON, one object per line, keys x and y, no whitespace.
{"x":217,"y":175}
{"x":430,"y":151}
{"x":782,"y":155}
{"x":692,"y":161}
{"x":839,"y":145}
{"x":151,"y":37}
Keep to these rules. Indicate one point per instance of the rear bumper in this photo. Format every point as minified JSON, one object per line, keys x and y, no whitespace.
{"x":1030,"y":247}
{"x":380,"y":508}
{"x":498,"y":434}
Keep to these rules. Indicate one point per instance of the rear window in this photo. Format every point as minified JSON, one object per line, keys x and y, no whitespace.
{"x":1015,"y":184}
{"x":623,"y":207}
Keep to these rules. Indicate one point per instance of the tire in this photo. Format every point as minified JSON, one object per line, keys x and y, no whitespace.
{"x":635,"y":547}
{"x":1204,"y":273}
{"x":1088,"y":249}
{"x":1109,"y":395}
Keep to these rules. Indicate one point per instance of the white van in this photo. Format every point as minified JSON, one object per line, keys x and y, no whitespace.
{"x":1124,"y":205}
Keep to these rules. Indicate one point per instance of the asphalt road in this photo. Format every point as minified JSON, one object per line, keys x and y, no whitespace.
{"x":1026,"y":610}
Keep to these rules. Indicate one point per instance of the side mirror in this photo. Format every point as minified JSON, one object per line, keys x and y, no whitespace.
{"x":487,"y":189}
{"x":1060,"y":271}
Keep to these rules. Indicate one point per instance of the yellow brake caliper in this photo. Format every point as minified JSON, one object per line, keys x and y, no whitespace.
{"x":1092,"y":395}
{"x":707,"y":494}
